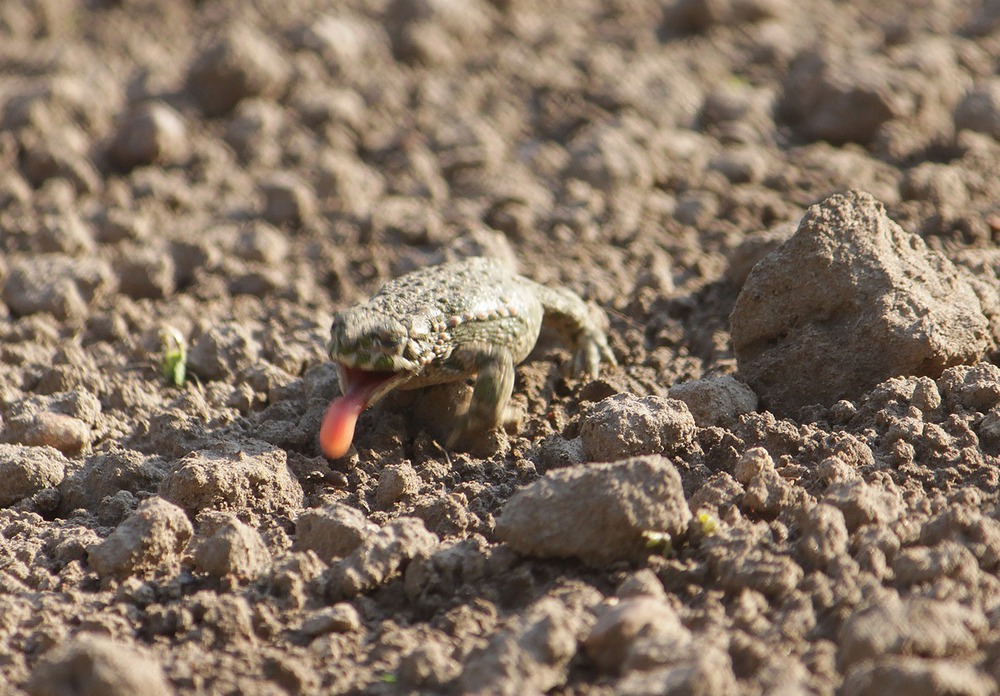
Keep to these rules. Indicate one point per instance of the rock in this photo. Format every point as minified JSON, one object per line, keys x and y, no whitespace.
{"x":332,"y":531}
{"x":435,"y":31}
{"x":55,"y":155}
{"x":288,"y":201}
{"x":261,"y":243}
{"x":556,"y":452}
{"x":766,"y":492}
{"x":429,"y":666}
{"x":979,"y":109}
{"x":625,"y":425}
{"x":69,"y":435}
{"x":696,"y":208}
{"x":149,"y":542}
{"x":222,"y":351}
{"x":380,"y":557}
{"x":596,"y":512}
{"x":291,"y":675}
{"x":146,"y":272}
{"x":849,"y":301}
{"x":742,"y":563}
{"x":914,"y":626}
{"x":738,"y":112}
{"x":340,"y":618}
{"x":247,"y":478}
{"x":149,"y":133}
{"x":343,"y":42}
{"x":531,"y":656}
{"x":107,"y":473}
{"x":621,"y":625}
{"x":241,"y":63}
{"x":863,"y":504}
{"x":450,"y":567}
{"x":641,"y":583}
{"x":923,"y":564}
{"x":741,"y":164}
{"x":828,"y":99}
{"x":61,"y":285}
{"x":699,"y":15}
{"x":842,"y":98}
{"x":60,"y":419}
{"x":405,"y":220}
{"x":396,"y":482}
{"x":824,"y":537}
{"x":27,"y":470}
{"x":254,"y":131}
{"x":969,"y":527}
{"x":700,"y":670}
{"x":914,"y":676}
{"x":940,"y":184}
{"x":972,"y":387}
{"x":604,"y":156}
{"x":65,"y":233}
{"x":447,"y":515}
{"x":715,"y":401}
{"x":224,"y":546}
{"x":91,"y":665}
{"x":348,"y":183}
{"x":117,"y":225}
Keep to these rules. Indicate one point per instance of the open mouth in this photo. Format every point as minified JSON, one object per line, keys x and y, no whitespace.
{"x":361,"y":388}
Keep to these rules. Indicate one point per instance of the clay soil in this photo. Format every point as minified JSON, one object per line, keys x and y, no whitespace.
{"x":227,"y":175}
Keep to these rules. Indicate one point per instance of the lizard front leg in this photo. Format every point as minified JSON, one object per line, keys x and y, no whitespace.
{"x":490,"y":393}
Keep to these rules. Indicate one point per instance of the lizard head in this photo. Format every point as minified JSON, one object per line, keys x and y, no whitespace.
{"x":375,"y":353}
{"x":366,"y":339}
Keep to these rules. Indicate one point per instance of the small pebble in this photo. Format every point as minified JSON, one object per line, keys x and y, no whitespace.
{"x":149,"y":133}
{"x":332,"y":531}
{"x":149,"y":541}
{"x":26,"y":470}
{"x":241,"y":63}
{"x":288,"y":201}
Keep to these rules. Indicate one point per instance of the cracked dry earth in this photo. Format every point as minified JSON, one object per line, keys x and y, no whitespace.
{"x":789,"y":485}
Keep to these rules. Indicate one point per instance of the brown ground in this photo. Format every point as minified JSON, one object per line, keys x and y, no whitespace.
{"x":238,"y":171}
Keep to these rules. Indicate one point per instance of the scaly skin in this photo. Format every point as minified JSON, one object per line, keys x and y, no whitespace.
{"x":453,"y":321}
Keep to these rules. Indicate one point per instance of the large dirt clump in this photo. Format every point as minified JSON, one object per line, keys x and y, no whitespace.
{"x":849,"y":301}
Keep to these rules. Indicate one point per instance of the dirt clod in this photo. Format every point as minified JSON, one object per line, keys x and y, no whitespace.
{"x":378,"y":558}
{"x":251,"y":482}
{"x":224,"y":546}
{"x":95,"y":665}
{"x":907,"y":308}
{"x":241,"y":63}
{"x":149,"y":541}
{"x":26,"y":470}
{"x":789,"y":484}
{"x":332,"y":531}
{"x":625,"y":425}
{"x":596,"y":512}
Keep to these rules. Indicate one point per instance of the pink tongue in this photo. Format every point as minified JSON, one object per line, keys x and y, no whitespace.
{"x":337,"y":430}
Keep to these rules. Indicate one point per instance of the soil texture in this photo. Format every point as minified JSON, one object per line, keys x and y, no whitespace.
{"x":790,"y":484}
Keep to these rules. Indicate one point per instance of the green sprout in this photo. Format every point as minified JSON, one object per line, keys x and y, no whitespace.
{"x":709,"y":524}
{"x":659,"y":542}
{"x":388,"y":678}
{"x":173,"y":362}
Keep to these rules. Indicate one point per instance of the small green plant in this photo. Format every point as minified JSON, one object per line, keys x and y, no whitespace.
{"x":709,"y":524}
{"x":388,"y":678}
{"x":173,"y":361}
{"x":659,"y":542}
